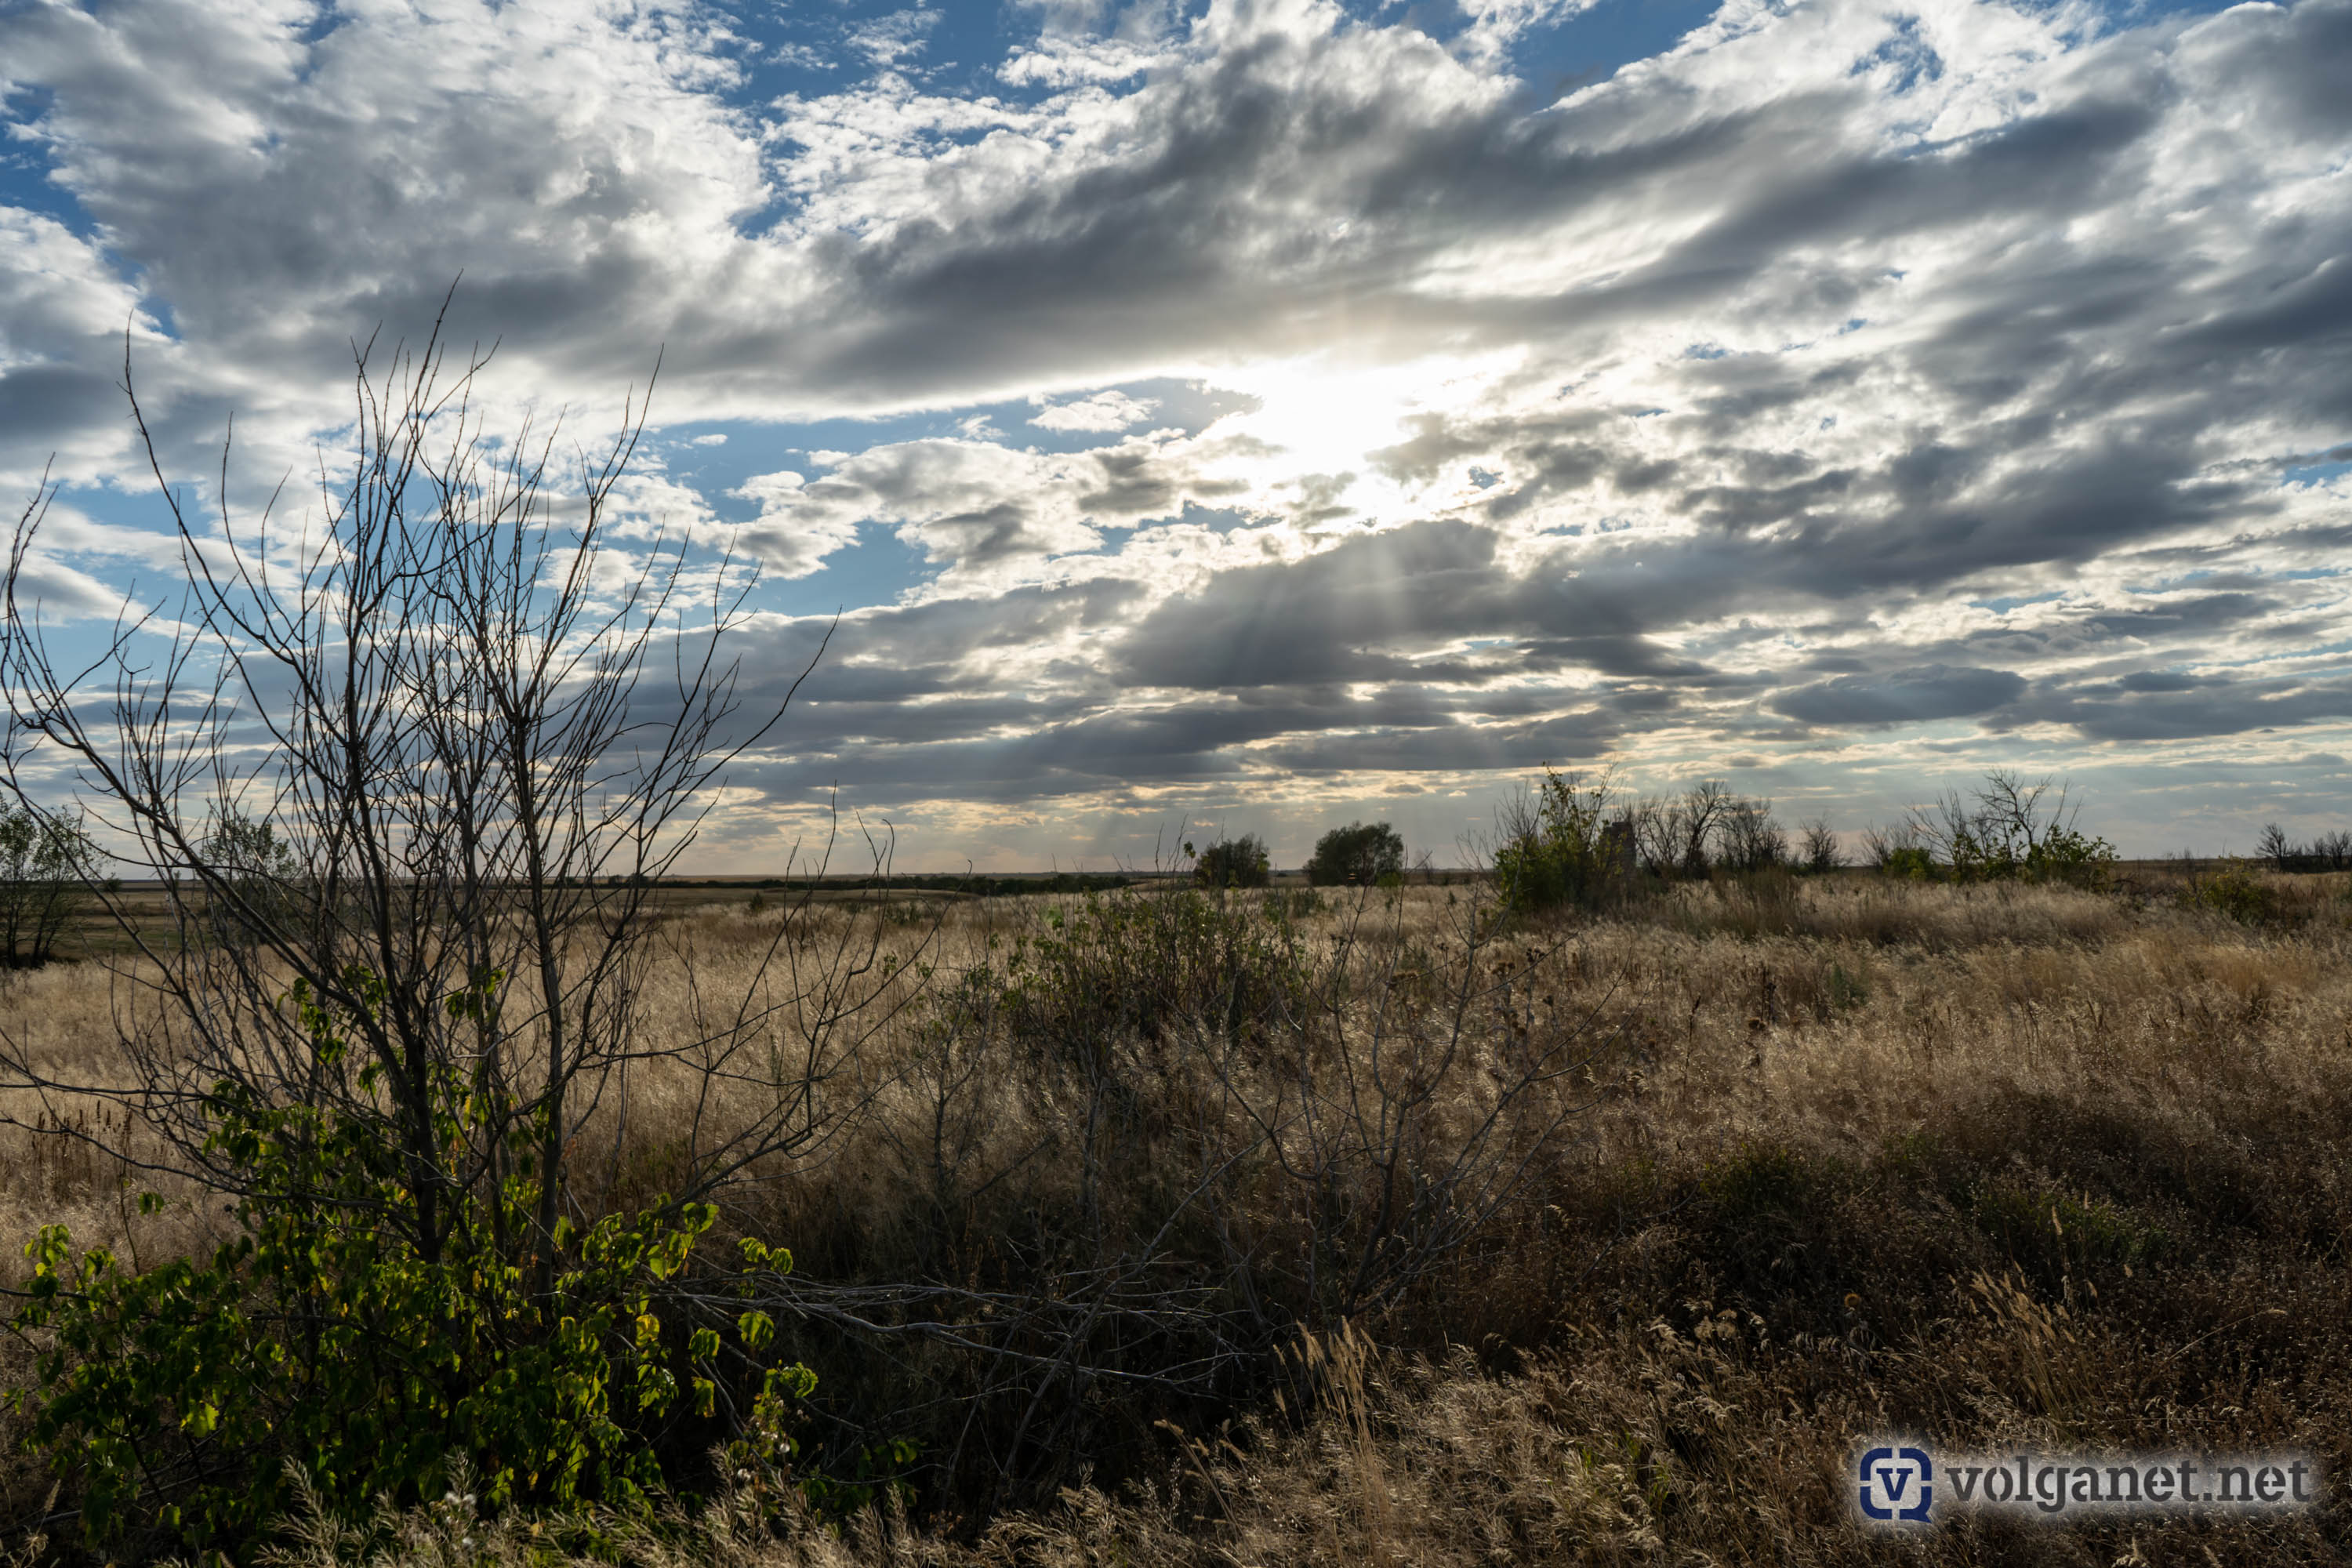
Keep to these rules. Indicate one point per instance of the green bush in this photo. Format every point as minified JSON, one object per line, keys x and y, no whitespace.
{"x":322,"y":1335}
{"x":1360,"y":853}
{"x":1241,"y":862}
{"x":2053,"y":1233}
{"x":1909,"y":862}
{"x":2235,"y":891}
{"x":1562,"y":847}
{"x":2011,"y":829}
{"x":1137,"y":964}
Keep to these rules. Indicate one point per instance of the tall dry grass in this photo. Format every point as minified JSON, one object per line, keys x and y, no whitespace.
{"x":1821,"y":1158}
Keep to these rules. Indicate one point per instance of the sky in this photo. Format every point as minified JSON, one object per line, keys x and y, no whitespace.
{"x":1257,"y":416}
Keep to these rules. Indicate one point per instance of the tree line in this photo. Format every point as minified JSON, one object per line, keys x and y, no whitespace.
{"x":2324,"y":852}
{"x":1572,"y":839}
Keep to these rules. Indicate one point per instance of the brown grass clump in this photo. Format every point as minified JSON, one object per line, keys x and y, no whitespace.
{"x":1405,"y":1237}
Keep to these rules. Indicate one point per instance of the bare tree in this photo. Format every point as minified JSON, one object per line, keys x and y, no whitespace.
{"x":1698,"y":822}
{"x":1657,"y":834}
{"x":1751,"y":840}
{"x":1881,"y":845}
{"x":2001,"y":828}
{"x":2337,"y":846}
{"x":1821,"y":850}
{"x":420,"y":762}
{"x":2274,"y":845}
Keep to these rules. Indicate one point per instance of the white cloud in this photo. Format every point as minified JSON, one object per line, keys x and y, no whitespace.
{"x":792,"y":537}
{"x":1103,"y":411}
{"x":886,"y":40}
{"x":1058,"y":62}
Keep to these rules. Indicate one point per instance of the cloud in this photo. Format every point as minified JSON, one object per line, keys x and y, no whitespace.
{"x":1103,"y":411}
{"x":1915,"y":696}
{"x":1833,"y":372}
{"x":795,"y":532}
{"x":886,"y":40}
{"x":979,"y":508}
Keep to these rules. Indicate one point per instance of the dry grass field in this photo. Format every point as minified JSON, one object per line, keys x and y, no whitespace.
{"x":1148,"y":1228}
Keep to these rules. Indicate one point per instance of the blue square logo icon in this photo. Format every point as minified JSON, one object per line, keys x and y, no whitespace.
{"x":1897,"y":1483}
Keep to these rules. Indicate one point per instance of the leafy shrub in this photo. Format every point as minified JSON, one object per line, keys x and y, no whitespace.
{"x":1908,"y":860}
{"x":1362,"y":853}
{"x":1241,"y":862}
{"x":1561,"y":847}
{"x":2235,"y":891}
{"x":1138,"y":964}
{"x":321,"y":1335}
{"x":2010,"y":830}
{"x":2053,"y":1234}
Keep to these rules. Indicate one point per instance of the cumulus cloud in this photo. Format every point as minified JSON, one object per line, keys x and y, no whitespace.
{"x":981,"y":509}
{"x":1103,"y":411}
{"x":888,"y":40}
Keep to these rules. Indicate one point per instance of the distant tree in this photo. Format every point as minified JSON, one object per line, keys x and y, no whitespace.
{"x":2337,"y":848}
{"x":1360,"y":852}
{"x":1657,"y":834}
{"x":1563,"y":845}
{"x":1896,"y":851}
{"x":1241,"y":862}
{"x":1702,"y":808}
{"x":1751,"y":840}
{"x":44,"y":862}
{"x":259,"y":873}
{"x":1822,"y":852}
{"x":2274,"y":845}
{"x":2008,"y":828}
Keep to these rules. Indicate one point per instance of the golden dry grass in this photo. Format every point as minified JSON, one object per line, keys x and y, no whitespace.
{"x":2002,"y":1165}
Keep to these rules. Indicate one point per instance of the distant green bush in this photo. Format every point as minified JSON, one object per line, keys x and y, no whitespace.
{"x":1362,"y":853}
{"x":1908,"y":860}
{"x":2235,"y":891}
{"x":1241,"y":862}
{"x":2009,"y":830}
{"x":1561,"y":846}
{"x":1134,"y":962}
{"x":322,"y":1335}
